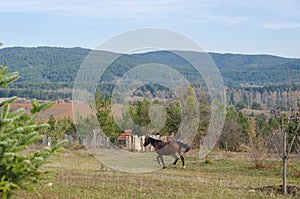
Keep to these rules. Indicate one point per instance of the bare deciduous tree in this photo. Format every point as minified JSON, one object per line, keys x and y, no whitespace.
{"x":283,"y":137}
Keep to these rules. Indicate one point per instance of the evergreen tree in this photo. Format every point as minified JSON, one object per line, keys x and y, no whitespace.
{"x":18,"y":131}
{"x":231,"y":138}
{"x":58,"y":128}
{"x":173,"y":118}
{"x":243,"y":121}
{"x":102,"y":108}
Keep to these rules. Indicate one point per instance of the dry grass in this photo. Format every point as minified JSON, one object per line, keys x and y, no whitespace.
{"x":57,"y":110}
{"x":62,"y":110}
{"x":78,"y":175}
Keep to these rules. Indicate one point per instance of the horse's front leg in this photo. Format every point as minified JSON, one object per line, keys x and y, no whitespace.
{"x":162,"y":160}
{"x":158,"y":159}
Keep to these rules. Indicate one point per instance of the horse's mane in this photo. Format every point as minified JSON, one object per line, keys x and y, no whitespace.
{"x":162,"y":143}
{"x":155,"y":140}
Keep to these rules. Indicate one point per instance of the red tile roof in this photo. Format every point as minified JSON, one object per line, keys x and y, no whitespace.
{"x":124,"y":135}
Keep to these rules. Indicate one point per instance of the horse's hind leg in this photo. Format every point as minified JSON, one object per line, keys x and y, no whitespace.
{"x":176,"y":159}
{"x":182,"y":159}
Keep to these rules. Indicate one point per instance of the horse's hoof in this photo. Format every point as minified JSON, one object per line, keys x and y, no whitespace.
{"x":183,"y":167}
{"x":174,"y":166}
{"x":164,"y":167}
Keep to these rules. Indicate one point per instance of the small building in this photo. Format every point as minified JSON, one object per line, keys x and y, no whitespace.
{"x":123,"y":137}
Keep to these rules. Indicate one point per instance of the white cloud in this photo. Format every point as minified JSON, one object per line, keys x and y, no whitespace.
{"x":282,"y":8}
{"x":279,"y":25}
{"x":89,"y":8}
{"x":162,"y":13}
{"x":193,"y":10}
{"x":223,"y":19}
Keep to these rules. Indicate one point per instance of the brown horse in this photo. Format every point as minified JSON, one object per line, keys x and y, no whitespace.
{"x":168,"y":148}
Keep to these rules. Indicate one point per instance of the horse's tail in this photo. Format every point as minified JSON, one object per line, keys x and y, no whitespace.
{"x":184,"y":146}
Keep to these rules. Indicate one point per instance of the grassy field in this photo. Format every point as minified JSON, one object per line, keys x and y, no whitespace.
{"x":76,"y":174}
{"x":57,"y":110}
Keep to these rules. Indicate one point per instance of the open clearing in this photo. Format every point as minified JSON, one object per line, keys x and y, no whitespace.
{"x":76,"y":175}
{"x":58,"y":110}
{"x":61,"y":110}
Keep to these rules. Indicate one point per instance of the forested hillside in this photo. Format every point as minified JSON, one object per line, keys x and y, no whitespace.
{"x":43,"y":64}
{"x":49,"y":72}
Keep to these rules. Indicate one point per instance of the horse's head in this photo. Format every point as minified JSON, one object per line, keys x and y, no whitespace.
{"x":147,"y":141}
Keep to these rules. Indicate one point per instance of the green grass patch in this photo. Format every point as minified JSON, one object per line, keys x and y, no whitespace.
{"x":78,"y":175}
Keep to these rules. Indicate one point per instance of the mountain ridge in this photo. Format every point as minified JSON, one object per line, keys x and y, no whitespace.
{"x":60,"y":64}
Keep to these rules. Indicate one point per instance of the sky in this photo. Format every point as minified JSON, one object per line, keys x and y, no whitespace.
{"x":225,"y":26}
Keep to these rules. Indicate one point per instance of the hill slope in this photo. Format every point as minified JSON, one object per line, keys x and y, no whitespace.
{"x":53,"y":64}
{"x":55,"y":69}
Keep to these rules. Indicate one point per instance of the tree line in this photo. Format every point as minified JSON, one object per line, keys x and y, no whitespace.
{"x":264,"y":98}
